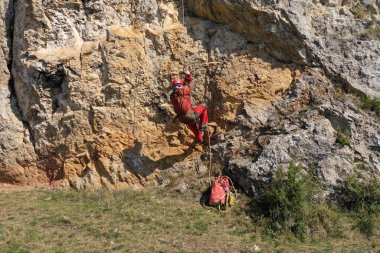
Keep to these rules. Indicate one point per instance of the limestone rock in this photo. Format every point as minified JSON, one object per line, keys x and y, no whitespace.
{"x":309,"y":33}
{"x":310,"y":139}
{"x":17,"y":157}
{"x":85,"y":99}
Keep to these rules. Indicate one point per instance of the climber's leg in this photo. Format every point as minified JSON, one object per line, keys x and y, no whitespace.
{"x":201,"y":111}
{"x":197,"y":133}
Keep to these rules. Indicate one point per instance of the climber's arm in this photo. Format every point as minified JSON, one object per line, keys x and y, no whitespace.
{"x":188,"y":78}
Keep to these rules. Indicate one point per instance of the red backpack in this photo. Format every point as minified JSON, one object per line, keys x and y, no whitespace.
{"x":223,"y":192}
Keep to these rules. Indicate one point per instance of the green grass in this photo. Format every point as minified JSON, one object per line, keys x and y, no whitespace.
{"x":152,"y":220}
{"x":343,"y":137}
{"x":372,"y":104}
{"x":313,"y":106}
{"x":127,"y":221}
{"x":363,"y":199}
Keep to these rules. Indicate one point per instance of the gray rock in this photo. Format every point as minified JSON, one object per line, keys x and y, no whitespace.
{"x":346,"y":12}
{"x":17,"y":156}
{"x":336,"y":42}
{"x":311,"y":142}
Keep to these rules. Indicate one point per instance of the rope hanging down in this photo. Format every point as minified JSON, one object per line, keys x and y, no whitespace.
{"x":183,"y":13}
{"x":210,"y":157}
{"x":183,"y":23}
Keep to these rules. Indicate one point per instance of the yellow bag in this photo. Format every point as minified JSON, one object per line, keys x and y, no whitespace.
{"x":230,"y":199}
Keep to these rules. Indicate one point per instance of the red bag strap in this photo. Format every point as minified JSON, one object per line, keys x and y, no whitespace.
{"x":231,"y":183}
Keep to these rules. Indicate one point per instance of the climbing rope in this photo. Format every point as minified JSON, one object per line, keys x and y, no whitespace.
{"x":183,"y":13}
{"x":183,"y":23}
{"x":210,"y":157}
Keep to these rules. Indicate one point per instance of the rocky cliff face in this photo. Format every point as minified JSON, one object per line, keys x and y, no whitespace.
{"x":84,"y":89}
{"x":17,"y":155}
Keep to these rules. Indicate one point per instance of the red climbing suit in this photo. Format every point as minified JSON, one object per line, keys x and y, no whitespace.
{"x":180,"y":98}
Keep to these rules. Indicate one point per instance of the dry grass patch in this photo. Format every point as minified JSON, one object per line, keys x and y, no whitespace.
{"x":143,"y":221}
{"x":128,"y":221}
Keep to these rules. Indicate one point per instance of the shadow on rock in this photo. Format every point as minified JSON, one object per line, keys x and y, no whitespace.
{"x":138,"y":163}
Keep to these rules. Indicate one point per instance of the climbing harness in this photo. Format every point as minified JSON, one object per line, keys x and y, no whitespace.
{"x":187,"y":118}
{"x":181,"y":95}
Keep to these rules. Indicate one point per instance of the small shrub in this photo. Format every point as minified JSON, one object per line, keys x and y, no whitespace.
{"x":285,"y":205}
{"x":362,"y":197}
{"x":372,"y":31}
{"x":375,"y":29}
{"x":343,"y":137}
{"x":342,"y":97}
{"x":372,"y":104}
{"x":360,"y":11}
{"x":302,"y":112}
{"x":313,"y":106}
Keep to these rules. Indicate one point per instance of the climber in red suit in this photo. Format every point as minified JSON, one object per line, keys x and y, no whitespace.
{"x":180,"y":99}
